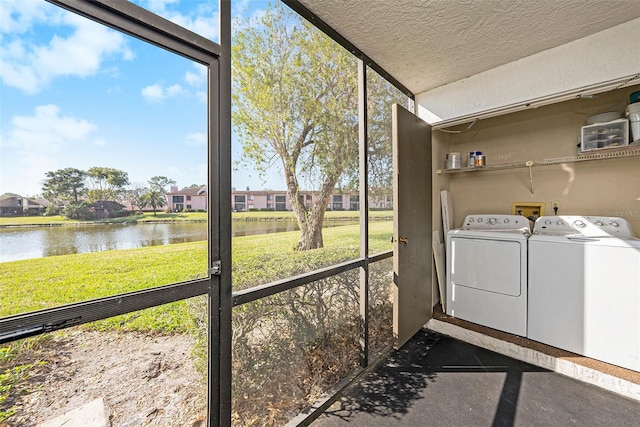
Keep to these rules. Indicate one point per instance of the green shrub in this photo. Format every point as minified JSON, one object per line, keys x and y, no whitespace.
{"x":53,"y":210}
{"x":78,"y":210}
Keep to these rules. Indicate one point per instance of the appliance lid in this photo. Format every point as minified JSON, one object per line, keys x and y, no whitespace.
{"x":608,"y":241}
{"x":591,"y":226}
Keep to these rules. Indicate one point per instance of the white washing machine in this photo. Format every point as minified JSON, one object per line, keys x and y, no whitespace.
{"x":584,"y":287}
{"x":487,"y":272}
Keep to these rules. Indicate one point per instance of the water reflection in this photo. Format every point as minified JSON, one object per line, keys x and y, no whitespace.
{"x":37,"y":242}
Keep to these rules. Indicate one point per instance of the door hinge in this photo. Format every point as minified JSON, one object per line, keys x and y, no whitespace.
{"x":216,"y":268}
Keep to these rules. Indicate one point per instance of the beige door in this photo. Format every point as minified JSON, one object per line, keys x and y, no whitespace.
{"x":412,"y":253}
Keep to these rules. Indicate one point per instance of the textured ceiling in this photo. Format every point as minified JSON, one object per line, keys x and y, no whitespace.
{"x":429,"y":43}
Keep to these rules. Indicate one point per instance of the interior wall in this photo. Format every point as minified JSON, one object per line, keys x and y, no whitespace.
{"x":602,"y":187}
{"x":440,"y":142}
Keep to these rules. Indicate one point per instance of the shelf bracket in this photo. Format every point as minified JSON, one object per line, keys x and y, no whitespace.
{"x":529,"y":164}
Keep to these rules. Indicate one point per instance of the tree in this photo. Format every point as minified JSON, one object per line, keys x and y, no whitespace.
{"x":380,"y":96}
{"x":160,"y":183}
{"x":53,"y":210}
{"x":106,"y":183}
{"x":295,"y":100}
{"x":156,"y":197}
{"x":78,"y":210}
{"x":64,"y":185}
{"x":135,"y":194}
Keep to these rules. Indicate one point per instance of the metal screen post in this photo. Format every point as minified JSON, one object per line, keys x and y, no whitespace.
{"x":223,"y":169}
{"x":364,"y":212}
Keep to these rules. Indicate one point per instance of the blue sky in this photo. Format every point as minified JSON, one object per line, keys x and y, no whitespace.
{"x":74,"y":93}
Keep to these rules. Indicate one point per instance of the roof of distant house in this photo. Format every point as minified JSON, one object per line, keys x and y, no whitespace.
{"x":10,"y":199}
{"x":191,"y":191}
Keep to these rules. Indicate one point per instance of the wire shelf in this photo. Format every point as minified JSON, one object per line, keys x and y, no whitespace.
{"x":613,"y":153}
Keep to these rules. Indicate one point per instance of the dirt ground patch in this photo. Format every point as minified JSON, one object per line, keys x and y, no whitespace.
{"x":142,"y":379}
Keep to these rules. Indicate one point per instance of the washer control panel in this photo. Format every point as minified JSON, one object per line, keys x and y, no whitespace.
{"x":591,"y":226}
{"x":496,"y":222}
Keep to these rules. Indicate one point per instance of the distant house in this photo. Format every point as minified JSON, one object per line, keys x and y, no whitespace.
{"x":278,"y":200}
{"x":189,"y":199}
{"x":16,"y":205}
{"x":243,"y":201}
{"x":105,"y":209}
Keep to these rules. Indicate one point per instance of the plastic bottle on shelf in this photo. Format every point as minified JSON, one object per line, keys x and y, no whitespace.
{"x":471,"y":163}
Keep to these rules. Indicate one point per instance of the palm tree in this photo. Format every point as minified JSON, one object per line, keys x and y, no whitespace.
{"x":155,"y":199}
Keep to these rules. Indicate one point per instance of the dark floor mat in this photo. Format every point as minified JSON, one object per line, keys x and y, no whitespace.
{"x":436,"y":380}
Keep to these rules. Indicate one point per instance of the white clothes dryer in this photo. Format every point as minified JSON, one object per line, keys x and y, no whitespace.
{"x":487,"y":272}
{"x":584,"y":287}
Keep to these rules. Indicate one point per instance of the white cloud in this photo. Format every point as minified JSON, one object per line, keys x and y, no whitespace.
{"x":153,"y":93}
{"x":41,"y":142}
{"x":196,"y":139}
{"x":158,"y":6}
{"x":175,"y":90}
{"x":202,"y":17}
{"x":197,"y":78}
{"x":46,"y":130}
{"x":17,"y":16}
{"x":157,"y":92}
{"x":30,"y":67}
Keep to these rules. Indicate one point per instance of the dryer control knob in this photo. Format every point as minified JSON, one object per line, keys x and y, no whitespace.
{"x":479,"y":219}
{"x":579,"y":224}
{"x":506,"y":221}
{"x":560,"y":223}
{"x":492,"y":221}
{"x":599,"y":223}
{"x":614,"y":224}
{"x":471,"y":220}
{"x":548,"y":222}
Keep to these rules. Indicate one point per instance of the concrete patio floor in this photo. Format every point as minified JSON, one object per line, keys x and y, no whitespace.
{"x":436,"y":380}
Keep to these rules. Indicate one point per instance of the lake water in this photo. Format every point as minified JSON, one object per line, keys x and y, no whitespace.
{"x":19,"y":243}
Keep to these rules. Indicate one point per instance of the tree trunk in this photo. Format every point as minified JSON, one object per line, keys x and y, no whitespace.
{"x":310,"y":222}
{"x":311,"y":235}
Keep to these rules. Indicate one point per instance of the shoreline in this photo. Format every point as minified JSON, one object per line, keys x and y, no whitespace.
{"x":175,"y":221}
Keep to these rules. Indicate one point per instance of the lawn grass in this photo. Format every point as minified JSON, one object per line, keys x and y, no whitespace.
{"x":41,"y":283}
{"x":34,"y":220}
{"x":48,"y":282}
{"x":145,"y":217}
{"x":188,"y":216}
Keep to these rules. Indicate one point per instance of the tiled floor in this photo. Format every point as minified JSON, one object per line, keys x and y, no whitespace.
{"x":436,"y":380}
